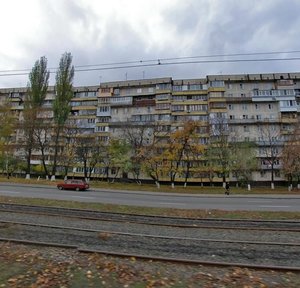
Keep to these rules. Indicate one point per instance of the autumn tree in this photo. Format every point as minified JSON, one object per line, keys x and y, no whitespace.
{"x":290,"y":156}
{"x":7,"y":127}
{"x":61,"y":103}
{"x":152,"y":155}
{"x":181,"y":149}
{"x":68,"y":150}
{"x":36,"y":93}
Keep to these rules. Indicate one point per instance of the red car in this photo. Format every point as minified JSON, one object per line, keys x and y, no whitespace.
{"x":73,"y":185}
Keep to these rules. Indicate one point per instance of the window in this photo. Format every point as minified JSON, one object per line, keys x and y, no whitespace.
{"x":103,"y":109}
{"x":270,"y":106}
{"x":162,"y":86}
{"x":256,"y":106}
{"x":191,"y":108}
{"x":101,"y":128}
{"x":245,"y":116}
{"x":244,"y":106}
{"x":230,"y":107}
{"x":177,"y":107}
{"x":177,"y":88}
{"x":246,"y":128}
{"x":161,"y":106}
{"x":217,"y":83}
{"x":103,"y":119}
{"x":163,"y":97}
{"x":241,"y":86}
{"x":195,"y":87}
{"x":105,"y":90}
{"x":262,"y":173}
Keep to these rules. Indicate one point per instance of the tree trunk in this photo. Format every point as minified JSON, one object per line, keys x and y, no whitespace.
{"x":55,"y":151}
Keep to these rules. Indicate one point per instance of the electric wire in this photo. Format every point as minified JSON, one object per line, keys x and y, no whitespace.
{"x":164,"y":62}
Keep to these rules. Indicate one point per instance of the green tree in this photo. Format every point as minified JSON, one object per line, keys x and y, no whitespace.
{"x":243,"y":161}
{"x":36,"y":92}
{"x":61,"y":103}
{"x":119,"y":155}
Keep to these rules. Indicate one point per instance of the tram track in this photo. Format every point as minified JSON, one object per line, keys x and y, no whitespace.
{"x":240,"y":224}
{"x":187,"y":247}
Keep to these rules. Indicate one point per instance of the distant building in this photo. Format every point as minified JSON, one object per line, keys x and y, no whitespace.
{"x":252,"y":107}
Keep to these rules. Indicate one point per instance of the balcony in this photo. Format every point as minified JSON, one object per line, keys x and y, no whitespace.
{"x":120,"y":101}
{"x":273,"y":95}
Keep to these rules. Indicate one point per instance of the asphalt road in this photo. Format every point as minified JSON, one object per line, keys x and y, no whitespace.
{"x":167,"y":200}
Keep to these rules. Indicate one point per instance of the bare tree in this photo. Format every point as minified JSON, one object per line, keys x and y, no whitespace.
{"x":219,"y":146}
{"x":138,"y":136}
{"x":42,"y":138}
{"x":270,"y":147}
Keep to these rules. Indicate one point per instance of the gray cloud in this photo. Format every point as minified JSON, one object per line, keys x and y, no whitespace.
{"x":190,"y":27}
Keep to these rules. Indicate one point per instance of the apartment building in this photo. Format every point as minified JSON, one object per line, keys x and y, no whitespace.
{"x":257,"y":108}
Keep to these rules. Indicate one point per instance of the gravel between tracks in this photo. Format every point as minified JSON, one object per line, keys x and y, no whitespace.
{"x":192,"y":249}
{"x":221,"y":234}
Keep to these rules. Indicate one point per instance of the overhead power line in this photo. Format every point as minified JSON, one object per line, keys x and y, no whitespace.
{"x":164,"y":62}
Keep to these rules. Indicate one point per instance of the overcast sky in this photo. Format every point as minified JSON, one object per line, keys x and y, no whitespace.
{"x":117,"y":31}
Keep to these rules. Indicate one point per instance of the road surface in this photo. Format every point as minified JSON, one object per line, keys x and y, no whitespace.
{"x":154,"y":199}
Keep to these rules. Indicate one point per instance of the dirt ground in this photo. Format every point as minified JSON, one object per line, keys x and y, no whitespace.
{"x":40,"y":267}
